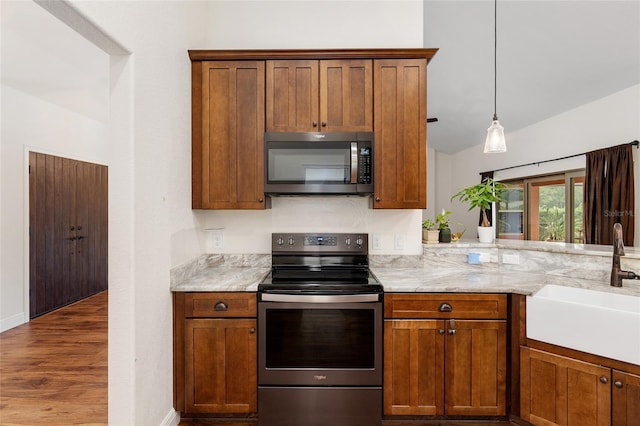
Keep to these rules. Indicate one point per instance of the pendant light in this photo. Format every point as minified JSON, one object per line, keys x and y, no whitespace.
{"x":495,"y":141}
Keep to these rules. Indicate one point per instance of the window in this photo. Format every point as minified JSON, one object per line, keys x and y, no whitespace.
{"x":545,"y":208}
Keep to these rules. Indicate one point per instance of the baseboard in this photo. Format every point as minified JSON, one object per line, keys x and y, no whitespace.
{"x":171,"y":419}
{"x":12,"y":321}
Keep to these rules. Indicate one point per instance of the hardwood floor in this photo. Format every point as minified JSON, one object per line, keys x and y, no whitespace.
{"x":53,"y":370}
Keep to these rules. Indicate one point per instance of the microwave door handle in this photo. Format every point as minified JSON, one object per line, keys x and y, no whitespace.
{"x":354,"y":162}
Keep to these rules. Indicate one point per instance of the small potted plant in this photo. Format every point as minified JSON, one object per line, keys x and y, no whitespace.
{"x":430,"y":232}
{"x":443,"y":225}
{"x":482,"y":196}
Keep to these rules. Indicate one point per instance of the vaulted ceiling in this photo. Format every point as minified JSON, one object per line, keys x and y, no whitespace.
{"x":552,"y":56}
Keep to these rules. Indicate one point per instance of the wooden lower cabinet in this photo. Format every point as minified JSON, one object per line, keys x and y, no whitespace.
{"x":557,"y":390}
{"x":444,"y":367}
{"x":625,"y":396}
{"x":215,"y":353}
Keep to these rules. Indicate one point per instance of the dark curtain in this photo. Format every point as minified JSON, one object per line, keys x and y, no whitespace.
{"x":608,"y":194}
{"x":484,"y":176}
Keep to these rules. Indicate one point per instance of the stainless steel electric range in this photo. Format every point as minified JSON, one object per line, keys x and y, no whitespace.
{"x":320,"y":326}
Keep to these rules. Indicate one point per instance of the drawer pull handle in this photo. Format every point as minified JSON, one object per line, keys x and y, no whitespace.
{"x":445,"y":307}
{"x":221,"y":306}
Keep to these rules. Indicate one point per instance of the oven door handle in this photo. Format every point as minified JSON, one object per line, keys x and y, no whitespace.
{"x":320,"y":298}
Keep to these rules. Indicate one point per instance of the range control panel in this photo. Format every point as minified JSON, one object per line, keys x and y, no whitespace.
{"x":319,"y":243}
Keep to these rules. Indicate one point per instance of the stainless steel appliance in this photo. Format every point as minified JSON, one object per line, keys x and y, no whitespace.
{"x":318,"y":163}
{"x":320,"y":333}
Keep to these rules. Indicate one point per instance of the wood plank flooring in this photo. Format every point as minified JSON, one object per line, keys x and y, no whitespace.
{"x":53,"y":370}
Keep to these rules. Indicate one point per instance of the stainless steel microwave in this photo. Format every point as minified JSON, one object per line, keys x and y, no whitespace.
{"x":310,"y":163}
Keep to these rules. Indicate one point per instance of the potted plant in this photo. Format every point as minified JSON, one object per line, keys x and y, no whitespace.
{"x":442,"y":219}
{"x":482,"y":196}
{"x":430,"y":232}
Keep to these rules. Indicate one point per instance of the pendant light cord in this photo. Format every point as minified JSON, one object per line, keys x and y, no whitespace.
{"x":495,"y":60}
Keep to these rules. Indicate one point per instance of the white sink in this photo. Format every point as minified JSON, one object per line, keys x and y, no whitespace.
{"x":597,"y":322}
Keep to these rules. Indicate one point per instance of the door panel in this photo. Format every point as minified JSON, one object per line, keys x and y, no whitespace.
{"x":68,"y":231}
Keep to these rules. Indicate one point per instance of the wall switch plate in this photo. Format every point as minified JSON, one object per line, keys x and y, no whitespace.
{"x":377,"y":242}
{"x":511,"y":259}
{"x":398,"y":242}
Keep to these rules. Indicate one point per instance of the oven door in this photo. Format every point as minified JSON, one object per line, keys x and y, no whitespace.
{"x":320,"y":340}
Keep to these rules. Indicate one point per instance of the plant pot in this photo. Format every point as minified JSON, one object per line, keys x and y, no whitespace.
{"x":486,"y":234}
{"x":445,"y":235}
{"x":430,"y":236}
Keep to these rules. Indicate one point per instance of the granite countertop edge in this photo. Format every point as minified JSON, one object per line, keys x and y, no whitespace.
{"x":407,"y":280}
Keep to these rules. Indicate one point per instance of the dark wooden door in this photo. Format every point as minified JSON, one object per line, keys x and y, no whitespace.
{"x":625,"y":399}
{"x":67,"y":231}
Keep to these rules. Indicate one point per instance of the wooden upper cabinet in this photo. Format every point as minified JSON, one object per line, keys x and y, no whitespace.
{"x":227,"y":134}
{"x":400,"y":124}
{"x":319,"y":96}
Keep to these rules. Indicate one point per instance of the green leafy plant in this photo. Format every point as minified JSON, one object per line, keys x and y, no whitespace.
{"x":429,"y":225}
{"x":481,"y":196}
{"x":442,"y":219}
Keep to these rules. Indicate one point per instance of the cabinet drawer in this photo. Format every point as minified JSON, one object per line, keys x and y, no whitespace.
{"x":445,"y":305}
{"x":220,"y":305}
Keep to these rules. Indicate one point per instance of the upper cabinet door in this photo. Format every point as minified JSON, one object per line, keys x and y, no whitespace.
{"x":292,"y":96}
{"x":346,"y":95}
{"x":319,"y":96}
{"x":400,"y":104}
{"x":227,"y":135}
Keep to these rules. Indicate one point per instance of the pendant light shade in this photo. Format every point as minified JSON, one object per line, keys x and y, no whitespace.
{"x":495,"y":142}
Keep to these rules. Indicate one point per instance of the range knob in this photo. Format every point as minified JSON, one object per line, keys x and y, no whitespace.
{"x":280,"y":241}
{"x":359,"y":241}
{"x":291,"y":241}
{"x":347,"y":241}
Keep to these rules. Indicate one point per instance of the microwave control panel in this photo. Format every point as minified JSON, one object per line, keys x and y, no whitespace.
{"x":364,"y":165}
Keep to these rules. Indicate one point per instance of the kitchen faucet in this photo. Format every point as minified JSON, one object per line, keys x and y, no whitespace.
{"x":617,"y":274}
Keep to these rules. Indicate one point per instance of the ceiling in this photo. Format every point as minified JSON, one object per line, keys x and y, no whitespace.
{"x":552,"y":56}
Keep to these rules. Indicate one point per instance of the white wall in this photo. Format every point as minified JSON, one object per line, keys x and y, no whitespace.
{"x":54,"y":100}
{"x":314,"y":24}
{"x":612,"y":120}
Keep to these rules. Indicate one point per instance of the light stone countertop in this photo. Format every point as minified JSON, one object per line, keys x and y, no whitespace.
{"x":418,"y":280}
{"x":223,"y":279}
{"x":481,"y":280}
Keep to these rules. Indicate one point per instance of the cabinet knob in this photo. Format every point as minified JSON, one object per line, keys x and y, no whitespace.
{"x":315,"y":124}
{"x":618,"y":384}
{"x":252,"y":330}
{"x":445,"y":307}
{"x":604,"y":379}
{"x":221,"y":306}
{"x":324,"y":124}
{"x":260,"y":199}
{"x":378,"y":199}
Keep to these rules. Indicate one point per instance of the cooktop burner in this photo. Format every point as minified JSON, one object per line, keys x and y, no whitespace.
{"x":320,"y":264}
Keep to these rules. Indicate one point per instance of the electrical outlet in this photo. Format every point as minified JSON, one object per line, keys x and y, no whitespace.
{"x":377,"y":242}
{"x":485,"y":258}
{"x":217,"y":239}
{"x":399,"y":242}
{"x":511,"y":259}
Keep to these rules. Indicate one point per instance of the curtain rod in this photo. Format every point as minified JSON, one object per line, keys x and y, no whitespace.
{"x":537,"y":163}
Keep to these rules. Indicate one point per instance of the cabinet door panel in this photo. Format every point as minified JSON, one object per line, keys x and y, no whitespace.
{"x":346,"y":95}
{"x":228,"y":132}
{"x":413,"y":382}
{"x":626,"y":399}
{"x":475,"y":378}
{"x":400,"y":97}
{"x":220,"y":366}
{"x":292,"y":96}
{"x":556,"y":390}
